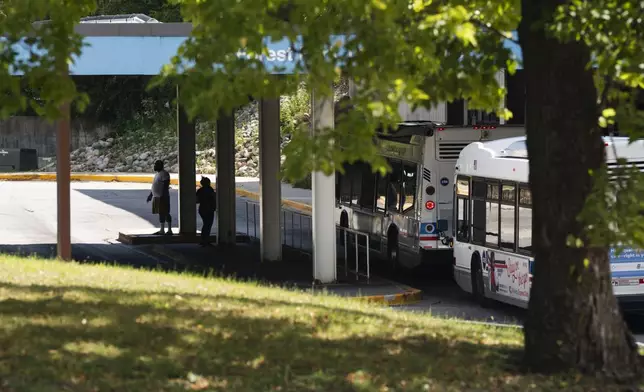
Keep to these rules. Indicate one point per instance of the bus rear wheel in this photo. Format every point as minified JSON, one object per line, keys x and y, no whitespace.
{"x":393,"y":254}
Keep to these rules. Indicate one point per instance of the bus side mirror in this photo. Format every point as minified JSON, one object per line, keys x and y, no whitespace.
{"x":442,"y":225}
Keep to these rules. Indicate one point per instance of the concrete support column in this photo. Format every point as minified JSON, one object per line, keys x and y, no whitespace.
{"x":187,"y":172}
{"x":270,"y":201}
{"x":226,"y":197}
{"x":500,"y":77}
{"x":353,"y":88}
{"x":324,"y":250}
{"x":63,"y":179}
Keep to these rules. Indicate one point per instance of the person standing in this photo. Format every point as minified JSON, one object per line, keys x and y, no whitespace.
{"x":207,"y":200}
{"x":160,"y":197}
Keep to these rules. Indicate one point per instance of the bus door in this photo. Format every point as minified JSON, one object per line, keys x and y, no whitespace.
{"x":396,"y":200}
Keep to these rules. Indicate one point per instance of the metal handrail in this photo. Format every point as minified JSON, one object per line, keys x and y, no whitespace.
{"x":300,"y":218}
{"x":285,"y":223}
{"x":356,"y":233}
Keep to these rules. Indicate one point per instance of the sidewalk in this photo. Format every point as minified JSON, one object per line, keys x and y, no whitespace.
{"x":294,"y":198}
{"x":295,"y":271}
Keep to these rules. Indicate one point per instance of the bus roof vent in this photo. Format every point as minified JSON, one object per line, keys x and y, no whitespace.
{"x":515,"y":150}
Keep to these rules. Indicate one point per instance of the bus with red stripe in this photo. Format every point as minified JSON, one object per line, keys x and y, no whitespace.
{"x":407,"y":213}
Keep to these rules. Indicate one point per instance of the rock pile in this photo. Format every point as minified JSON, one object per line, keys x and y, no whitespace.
{"x":111,"y":155}
{"x":130,"y":156}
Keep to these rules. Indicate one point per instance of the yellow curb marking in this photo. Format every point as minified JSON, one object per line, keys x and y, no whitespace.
{"x":408,"y":297}
{"x":301,"y":207}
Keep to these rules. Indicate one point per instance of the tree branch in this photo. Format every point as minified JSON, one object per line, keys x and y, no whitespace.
{"x":608,"y":84}
{"x":493,"y":29}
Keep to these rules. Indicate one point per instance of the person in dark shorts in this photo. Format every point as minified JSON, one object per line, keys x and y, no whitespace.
{"x":207,"y":200}
{"x":160,"y":197}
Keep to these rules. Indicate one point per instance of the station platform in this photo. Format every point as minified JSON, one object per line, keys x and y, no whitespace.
{"x":295,"y":271}
{"x":141,"y":237}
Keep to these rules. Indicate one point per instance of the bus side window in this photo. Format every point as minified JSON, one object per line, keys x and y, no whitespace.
{"x":525,"y":220}
{"x":409,"y":187}
{"x":462,"y":220}
{"x":508,"y":201}
{"x":492,"y":214}
{"x":356,"y":182}
{"x":394,"y":194}
{"x":344,"y":190}
{"x":479,"y":211}
{"x":462,"y":192}
{"x":381,"y":192}
{"x":368,"y":197}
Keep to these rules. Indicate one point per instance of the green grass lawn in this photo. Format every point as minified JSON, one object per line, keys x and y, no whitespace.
{"x":70,"y":327}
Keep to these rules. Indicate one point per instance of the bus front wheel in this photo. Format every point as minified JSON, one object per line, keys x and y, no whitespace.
{"x":478,"y":286}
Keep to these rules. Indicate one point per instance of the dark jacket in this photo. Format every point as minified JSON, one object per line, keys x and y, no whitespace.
{"x":207,"y":200}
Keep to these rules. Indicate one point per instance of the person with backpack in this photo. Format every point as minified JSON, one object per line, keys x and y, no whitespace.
{"x":207,"y":200}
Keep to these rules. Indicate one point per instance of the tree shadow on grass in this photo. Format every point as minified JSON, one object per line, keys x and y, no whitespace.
{"x":85,"y":339}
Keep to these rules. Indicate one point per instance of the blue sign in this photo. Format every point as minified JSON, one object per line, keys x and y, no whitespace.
{"x":427,"y":228}
{"x":146,"y":55}
{"x":444,"y":181}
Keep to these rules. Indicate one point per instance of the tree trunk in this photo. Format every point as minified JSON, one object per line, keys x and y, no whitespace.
{"x":573,"y":320}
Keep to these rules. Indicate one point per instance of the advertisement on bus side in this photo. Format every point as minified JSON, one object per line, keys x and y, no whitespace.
{"x":509,"y":275}
{"x":627,"y":267}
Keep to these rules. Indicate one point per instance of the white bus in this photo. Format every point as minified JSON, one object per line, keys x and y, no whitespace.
{"x":408,"y":213}
{"x":493,"y":254}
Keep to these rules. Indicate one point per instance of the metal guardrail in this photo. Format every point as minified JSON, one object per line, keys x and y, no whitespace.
{"x":297,"y":228}
{"x":297,"y":233}
{"x":357,"y":234}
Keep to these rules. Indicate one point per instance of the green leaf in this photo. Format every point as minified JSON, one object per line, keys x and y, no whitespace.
{"x":603,"y":122}
{"x":380,"y":4}
{"x":609,"y":112}
{"x":467,"y":33}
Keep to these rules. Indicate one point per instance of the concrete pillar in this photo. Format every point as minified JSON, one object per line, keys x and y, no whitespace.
{"x":187,"y":172}
{"x":500,"y":77}
{"x":63,"y":186}
{"x":353,"y":88}
{"x":324,"y":250}
{"x":270,"y":187}
{"x":226,"y":197}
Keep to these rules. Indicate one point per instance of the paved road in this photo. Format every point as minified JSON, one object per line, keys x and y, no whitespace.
{"x":101,"y":210}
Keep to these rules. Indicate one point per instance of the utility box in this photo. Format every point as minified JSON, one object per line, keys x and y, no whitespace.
{"x":18,"y":159}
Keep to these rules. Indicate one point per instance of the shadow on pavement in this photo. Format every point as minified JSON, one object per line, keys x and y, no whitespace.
{"x":240,"y":262}
{"x":133,"y":201}
{"x":93,"y":253}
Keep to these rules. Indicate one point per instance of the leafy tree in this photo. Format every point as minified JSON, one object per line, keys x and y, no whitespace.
{"x":40,"y":52}
{"x":426,"y":52}
{"x":574,"y":52}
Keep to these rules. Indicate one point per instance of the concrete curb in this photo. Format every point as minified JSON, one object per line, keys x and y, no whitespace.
{"x":133,"y":178}
{"x":409,"y":296}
